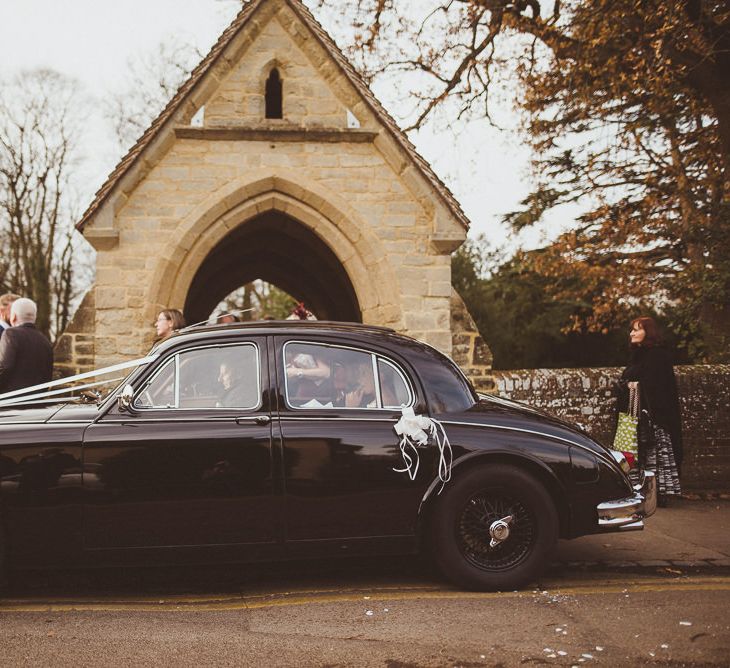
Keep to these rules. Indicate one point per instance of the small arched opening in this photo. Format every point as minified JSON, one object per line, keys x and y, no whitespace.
{"x":258,"y":300}
{"x":274,"y":95}
{"x":277,"y":249}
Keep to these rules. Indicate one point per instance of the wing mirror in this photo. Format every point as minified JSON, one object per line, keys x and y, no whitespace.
{"x":124,"y":400}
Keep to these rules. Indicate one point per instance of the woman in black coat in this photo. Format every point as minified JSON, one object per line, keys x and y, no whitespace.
{"x":651,"y":366}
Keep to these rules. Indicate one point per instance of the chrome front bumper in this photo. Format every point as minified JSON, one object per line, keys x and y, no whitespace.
{"x":628,"y":514}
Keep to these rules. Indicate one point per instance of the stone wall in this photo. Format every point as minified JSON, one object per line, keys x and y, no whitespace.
{"x":469,"y":350}
{"x":584,"y":396}
{"x":74,"y":351}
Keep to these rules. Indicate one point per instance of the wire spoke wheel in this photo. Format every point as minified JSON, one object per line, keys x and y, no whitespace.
{"x":475,"y":542}
{"x":494,"y":528}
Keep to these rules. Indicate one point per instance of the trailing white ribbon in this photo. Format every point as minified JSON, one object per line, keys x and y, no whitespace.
{"x":28,"y":394}
{"x":416,"y":430}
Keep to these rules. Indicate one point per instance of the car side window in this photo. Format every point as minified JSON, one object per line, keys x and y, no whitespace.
{"x":327,"y":376}
{"x":210,"y":377}
{"x":393,"y":386}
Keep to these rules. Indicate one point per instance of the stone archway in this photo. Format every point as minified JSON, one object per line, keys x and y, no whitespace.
{"x":276,"y":248}
{"x":317,"y":231}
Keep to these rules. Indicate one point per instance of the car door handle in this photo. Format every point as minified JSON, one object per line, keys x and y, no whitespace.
{"x":258,"y":419}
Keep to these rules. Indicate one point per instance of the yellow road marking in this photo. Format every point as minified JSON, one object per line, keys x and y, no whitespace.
{"x":307,"y":597}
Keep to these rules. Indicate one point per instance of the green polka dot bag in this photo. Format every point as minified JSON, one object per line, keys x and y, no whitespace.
{"x":626,"y":439}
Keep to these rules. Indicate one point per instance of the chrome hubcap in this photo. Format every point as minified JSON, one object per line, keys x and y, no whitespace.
{"x":499,"y":531}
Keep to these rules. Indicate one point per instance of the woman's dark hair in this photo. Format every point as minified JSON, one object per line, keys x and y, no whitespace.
{"x":653,"y":336}
{"x":177,"y":318}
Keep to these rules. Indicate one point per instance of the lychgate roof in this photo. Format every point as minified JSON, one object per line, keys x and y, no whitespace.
{"x":238,"y":24}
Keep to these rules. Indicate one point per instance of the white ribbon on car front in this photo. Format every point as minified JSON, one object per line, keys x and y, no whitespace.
{"x":416,"y":430}
{"x":40,"y":393}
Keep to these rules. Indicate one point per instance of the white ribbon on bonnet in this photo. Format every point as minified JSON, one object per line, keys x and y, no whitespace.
{"x":415,"y":430}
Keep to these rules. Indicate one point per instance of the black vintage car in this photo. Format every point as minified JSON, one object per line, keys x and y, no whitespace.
{"x":276,"y":440}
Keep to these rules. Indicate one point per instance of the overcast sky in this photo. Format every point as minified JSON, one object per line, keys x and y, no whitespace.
{"x":92,"y":41}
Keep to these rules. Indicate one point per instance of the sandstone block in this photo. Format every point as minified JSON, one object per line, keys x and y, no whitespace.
{"x":439,"y":289}
{"x":422,"y":321}
{"x":110,"y":298}
{"x":441,"y":340}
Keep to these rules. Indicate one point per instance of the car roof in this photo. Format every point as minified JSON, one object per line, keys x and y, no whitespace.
{"x":296,"y":327}
{"x":287,"y":325}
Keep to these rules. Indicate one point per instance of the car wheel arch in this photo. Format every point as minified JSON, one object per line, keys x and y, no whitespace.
{"x":536,"y":468}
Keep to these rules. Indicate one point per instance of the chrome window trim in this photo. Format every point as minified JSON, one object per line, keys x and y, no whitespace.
{"x":395,"y":365}
{"x":163,"y":366}
{"x":176,"y":354}
{"x":376,"y":380}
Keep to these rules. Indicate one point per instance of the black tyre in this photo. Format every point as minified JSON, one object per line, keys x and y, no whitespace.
{"x":493,"y":528}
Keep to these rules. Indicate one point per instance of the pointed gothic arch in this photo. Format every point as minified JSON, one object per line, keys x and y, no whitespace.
{"x":277,"y":248}
{"x":244,"y":223}
{"x":274,"y":95}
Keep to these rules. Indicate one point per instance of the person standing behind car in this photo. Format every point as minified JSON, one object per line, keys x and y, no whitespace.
{"x":26,"y":355}
{"x":652,"y":367}
{"x":168,"y":321}
{"x":6,"y":301}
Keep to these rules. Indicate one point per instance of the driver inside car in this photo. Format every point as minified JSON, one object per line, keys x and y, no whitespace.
{"x":236,"y":390}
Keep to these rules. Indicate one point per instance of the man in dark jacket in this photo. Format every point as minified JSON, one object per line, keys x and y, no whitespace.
{"x":26,"y":355}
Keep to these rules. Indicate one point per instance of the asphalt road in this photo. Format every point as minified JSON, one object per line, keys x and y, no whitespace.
{"x":367,"y":613}
{"x":660,"y":597}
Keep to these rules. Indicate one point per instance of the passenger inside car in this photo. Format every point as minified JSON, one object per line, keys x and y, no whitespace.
{"x":361,"y":393}
{"x":309,"y":377}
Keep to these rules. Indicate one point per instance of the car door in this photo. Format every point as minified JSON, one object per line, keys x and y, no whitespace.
{"x":190,"y":463}
{"x":340,"y":456}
